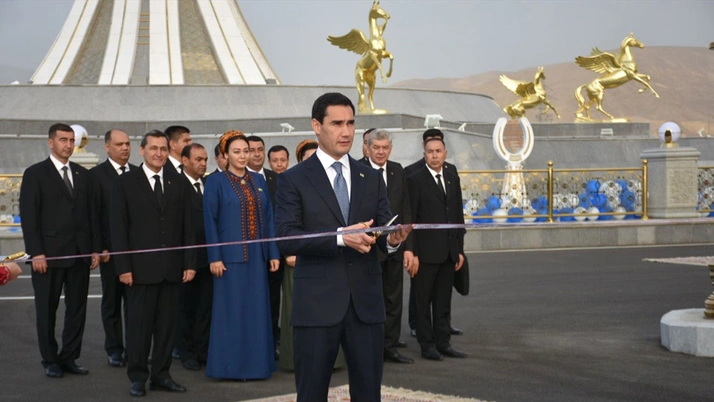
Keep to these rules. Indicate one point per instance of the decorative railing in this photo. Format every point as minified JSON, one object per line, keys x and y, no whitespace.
{"x":705,"y":189}
{"x":549,"y":195}
{"x":10,"y":199}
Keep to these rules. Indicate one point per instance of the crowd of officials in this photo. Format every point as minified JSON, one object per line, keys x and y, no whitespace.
{"x":221,"y":306}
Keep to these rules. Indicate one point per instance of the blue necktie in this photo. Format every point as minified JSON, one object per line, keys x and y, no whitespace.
{"x":343,"y":197}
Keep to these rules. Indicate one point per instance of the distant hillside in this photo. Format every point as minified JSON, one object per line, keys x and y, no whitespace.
{"x":683,"y":77}
{"x":10,"y":74}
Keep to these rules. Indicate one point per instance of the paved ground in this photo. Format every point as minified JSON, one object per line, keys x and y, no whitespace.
{"x":539,"y":326}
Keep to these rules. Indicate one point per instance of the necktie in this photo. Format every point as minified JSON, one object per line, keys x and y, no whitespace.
{"x":343,"y":197}
{"x":441,"y":185}
{"x":67,"y":183}
{"x":381,"y":174}
{"x":157,"y":188}
{"x":181,"y":168}
{"x":198,"y":188}
{"x":123,"y":170}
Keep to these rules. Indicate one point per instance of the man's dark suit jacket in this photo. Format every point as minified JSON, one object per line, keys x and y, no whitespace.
{"x":327,"y":276}
{"x":414,"y":167}
{"x":199,"y":230}
{"x":272,"y":179}
{"x":54,"y":222}
{"x":398,"y":194}
{"x":430,"y":206}
{"x":139,"y":222}
{"x":103,"y":176}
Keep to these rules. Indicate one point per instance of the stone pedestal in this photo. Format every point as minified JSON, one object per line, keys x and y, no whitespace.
{"x":672,"y":182}
{"x":85,"y":159}
{"x":687,"y":331}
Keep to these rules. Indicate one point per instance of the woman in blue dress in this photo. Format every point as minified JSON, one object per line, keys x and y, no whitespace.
{"x":237,"y":207}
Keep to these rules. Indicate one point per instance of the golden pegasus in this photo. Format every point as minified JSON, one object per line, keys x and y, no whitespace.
{"x":532,"y":94}
{"x":615,"y":72}
{"x":372,"y":51}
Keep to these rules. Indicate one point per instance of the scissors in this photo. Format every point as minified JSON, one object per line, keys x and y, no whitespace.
{"x":376,"y":235}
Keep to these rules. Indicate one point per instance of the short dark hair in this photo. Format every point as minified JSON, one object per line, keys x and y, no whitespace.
{"x":108,"y":134}
{"x":319,"y":108}
{"x":435,"y":139}
{"x":186,"y":151}
{"x":432,"y":132}
{"x":217,"y":150}
{"x":255,"y":138}
{"x":175,"y":132}
{"x":367,"y":132}
{"x":155,"y":134}
{"x":278,"y":148}
{"x":59,"y":127}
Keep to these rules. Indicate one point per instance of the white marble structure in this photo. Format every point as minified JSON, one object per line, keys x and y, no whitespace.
{"x":155,"y":42}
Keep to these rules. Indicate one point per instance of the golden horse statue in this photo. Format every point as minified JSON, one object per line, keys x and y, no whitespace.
{"x":615,"y":72}
{"x":532,"y":94}
{"x":372,"y":51}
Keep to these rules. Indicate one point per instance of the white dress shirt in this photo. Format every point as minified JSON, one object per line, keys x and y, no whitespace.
{"x":176,"y":163}
{"x":150,"y":176}
{"x":326,"y":161}
{"x":260,"y":172}
{"x":117,"y":167}
{"x":377,"y":167}
{"x":59,"y":165}
{"x":193,"y":183}
{"x":434,"y":173}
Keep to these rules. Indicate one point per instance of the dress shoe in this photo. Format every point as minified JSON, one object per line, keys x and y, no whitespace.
{"x":432,"y":354}
{"x":116,"y":360}
{"x":175,"y":354}
{"x":167,"y":385}
{"x":54,"y":371}
{"x":137,"y":389}
{"x":413,"y":333}
{"x":455,"y":331}
{"x":396,"y":357}
{"x":400,"y":344}
{"x":74,"y":368}
{"x":191,"y":364}
{"x":451,"y":352}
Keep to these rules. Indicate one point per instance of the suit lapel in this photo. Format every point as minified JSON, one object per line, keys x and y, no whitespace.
{"x":170,"y":186}
{"x":434,"y":186}
{"x":142,"y":183}
{"x":318,"y":178}
{"x":55,"y":177}
{"x":357,"y":190}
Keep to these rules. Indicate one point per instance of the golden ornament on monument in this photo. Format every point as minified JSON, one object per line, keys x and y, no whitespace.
{"x":615,"y":70}
{"x":532,"y":94}
{"x":373,"y":50}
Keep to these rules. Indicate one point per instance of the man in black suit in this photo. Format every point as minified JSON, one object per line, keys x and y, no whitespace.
{"x":194,"y":322}
{"x":151,"y":208}
{"x":365,"y":146}
{"x":275,"y":279}
{"x":337,"y":293}
{"x":380,"y":147}
{"x":278,"y":158}
{"x":59,"y":219}
{"x":409,"y":170}
{"x":118,"y":147}
{"x":435,"y":196}
{"x":179,"y":137}
{"x":220,"y":159}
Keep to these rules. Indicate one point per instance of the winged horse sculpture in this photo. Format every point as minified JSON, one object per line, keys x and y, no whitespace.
{"x":615,"y":72}
{"x":532,"y":94}
{"x":373,"y":50}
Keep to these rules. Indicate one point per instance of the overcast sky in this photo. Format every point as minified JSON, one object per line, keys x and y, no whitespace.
{"x":428,"y":38}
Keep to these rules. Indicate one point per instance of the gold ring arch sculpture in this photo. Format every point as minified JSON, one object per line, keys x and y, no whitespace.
{"x":615,"y":72}
{"x":373,"y":50}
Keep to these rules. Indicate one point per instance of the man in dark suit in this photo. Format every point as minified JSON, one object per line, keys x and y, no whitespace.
{"x":380,"y":147}
{"x":365,"y":146}
{"x":59,"y":219}
{"x":179,"y":137}
{"x":151,"y":208}
{"x":435,"y":196}
{"x":337,"y":293}
{"x":275,"y":279}
{"x":118,"y":147}
{"x":220,"y":159}
{"x":278,"y":158}
{"x":194,"y":322}
{"x":409,"y":170}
